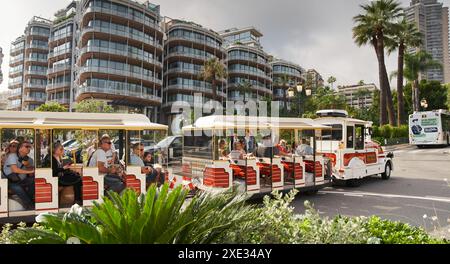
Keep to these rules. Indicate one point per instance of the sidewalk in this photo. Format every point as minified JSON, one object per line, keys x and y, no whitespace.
{"x":397,"y":147}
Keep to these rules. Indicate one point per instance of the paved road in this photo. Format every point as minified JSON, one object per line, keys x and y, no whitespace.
{"x":420,"y":185}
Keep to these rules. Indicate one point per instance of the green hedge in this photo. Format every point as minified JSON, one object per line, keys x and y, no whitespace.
{"x":390,"y":132}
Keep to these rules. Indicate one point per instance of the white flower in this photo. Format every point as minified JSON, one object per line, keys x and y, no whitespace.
{"x":425,"y":216}
{"x":40,"y":218}
{"x":434,"y":218}
{"x":76,"y":209}
{"x":73,"y":240}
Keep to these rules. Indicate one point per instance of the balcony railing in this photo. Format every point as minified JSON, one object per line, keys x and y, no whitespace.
{"x":122,"y":92}
{"x":193,"y":89}
{"x":53,"y":54}
{"x":34,"y":86}
{"x":121,"y":53}
{"x":199,"y":41}
{"x":39,"y":99}
{"x":58,"y":85}
{"x":36,"y":60}
{"x":122,"y":15}
{"x":122,"y":34}
{"x":259,"y":74}
{"x":188,"y":54}
{"x":125,"y":73}
{"x":64,"y":67}
{"x":31,"y":72}
{"x":37,"y":46}
{"x":246,"y":58}
{"x":60,"y":36}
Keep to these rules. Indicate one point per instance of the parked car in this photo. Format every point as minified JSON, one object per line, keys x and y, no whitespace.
{"x":171,"y":148}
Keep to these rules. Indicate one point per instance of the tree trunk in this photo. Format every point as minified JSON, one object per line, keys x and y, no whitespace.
{"x":214,"y":89}
{"x":381,"y":71}
{"x":400,"y":99}
{"x":416,"y":95}
{"x":386,"y":86}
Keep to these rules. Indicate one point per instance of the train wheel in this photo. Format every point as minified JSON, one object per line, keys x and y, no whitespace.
{"x":387,"y":172}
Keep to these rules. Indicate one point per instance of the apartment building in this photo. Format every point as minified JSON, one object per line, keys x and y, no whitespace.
{"x":1,"y":63}
{"x":187,"y":47}
{"x":286,"y":75}
{"x":313,"y":79}
{"x":431,"y":18}
{"x":249,"y":68}
{"x":358,"y":96}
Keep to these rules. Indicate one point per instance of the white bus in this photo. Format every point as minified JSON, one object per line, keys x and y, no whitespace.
{"x":429,"y":128}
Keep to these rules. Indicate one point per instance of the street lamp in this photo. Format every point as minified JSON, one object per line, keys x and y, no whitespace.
{"x":424,"y":104}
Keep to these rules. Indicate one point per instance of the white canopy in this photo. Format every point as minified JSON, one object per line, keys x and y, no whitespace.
{"x":65,"y":120}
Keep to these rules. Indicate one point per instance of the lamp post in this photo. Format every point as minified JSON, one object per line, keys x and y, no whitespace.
{"x":298,"y":90}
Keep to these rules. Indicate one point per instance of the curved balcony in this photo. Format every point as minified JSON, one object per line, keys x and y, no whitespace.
{"x":251,"y":73}
{"x":38,"y":60}
{"x":122,"y":34}
{"x":188,"y":55}
{"x":58,"y":69}
{"x":58,"y":86}
{"x":34,"y":86}
{"x":33,"y":99}
{"x":183,"y":71}
{"x":122,"y":15}
{"x":116,"y":93}
{"x":38,"y":34}
{"x":281,"y":73}
{"x":16,"y":61}
{"x":123,"y":53}
{"x":14,"y":107}
{"x":15,"y":73}
{"x":195,"y":40}
{"x":11,"y":84}
{"x":37,"y":46}
{"x":15,"y":94}
{"x":38,"y":73}
{"x":53,"y":55}
{"x":64,"y":36}
{"x":247,"y":59}
{"x":16,"y":51}
{"x":123,"y":73}
{"x":259,"y":88}
{"x":189,"y":88}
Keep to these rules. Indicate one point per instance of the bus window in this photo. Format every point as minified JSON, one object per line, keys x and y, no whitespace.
{"x":305,"y":145}
{"x":359,"y":137}
{"x":198,"y":146}
{"x":90,"y":146}
{"x":350,"y":137}
{"x":135,"y":153}
{"x":18,"y":163}
{"x":335,"y":134}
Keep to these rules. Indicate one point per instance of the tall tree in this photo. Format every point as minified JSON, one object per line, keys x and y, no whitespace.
{"x":213,"y":71}
{"x":244,"y":87}
{"x":403,"y":36}
{"x":371,"y":26}
{"x":414,"y":65}
{"x":361,"y":96}
{"x":331,"y":81}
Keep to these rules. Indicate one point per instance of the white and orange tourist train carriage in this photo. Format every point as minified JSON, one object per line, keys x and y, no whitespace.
{"x":213,"y":161}
{"x":77,"y":132}
{"x":349,"y":146}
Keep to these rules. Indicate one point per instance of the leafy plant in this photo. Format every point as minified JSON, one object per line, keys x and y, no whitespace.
{"x":158,"y":217}
{"x":398,"y":233}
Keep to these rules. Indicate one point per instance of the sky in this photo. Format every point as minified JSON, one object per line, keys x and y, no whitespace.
{"x":313,"y":33}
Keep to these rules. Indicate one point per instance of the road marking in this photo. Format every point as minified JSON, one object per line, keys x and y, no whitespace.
{"x":417,"y":151}
{"x":385,"y":195}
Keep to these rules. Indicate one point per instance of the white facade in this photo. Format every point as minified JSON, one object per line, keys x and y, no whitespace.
{"x":358,"y":96}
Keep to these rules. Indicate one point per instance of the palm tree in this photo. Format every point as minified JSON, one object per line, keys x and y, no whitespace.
{"x":213,"y":71}
{"x":414,"y":65}
{"x":331,"y":81}
{"x":245,"y":87}
{"x":404,"y":35}
{"x":371,"y":27}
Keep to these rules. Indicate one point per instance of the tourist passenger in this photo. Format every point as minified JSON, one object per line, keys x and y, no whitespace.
{"x":154,"y":174}
{"x":282,"y":148}
{"x":10,"y":148}
{"x":304,"y":149}
{"x":238,"y":151}
{"x":103,"y":159}
{"x":19,"y":170}
{"x":66,"y":176}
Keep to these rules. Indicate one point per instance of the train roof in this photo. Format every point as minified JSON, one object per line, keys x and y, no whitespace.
{"x":252,"y":122}
{"x":65,"y":120}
